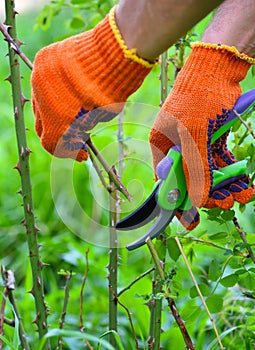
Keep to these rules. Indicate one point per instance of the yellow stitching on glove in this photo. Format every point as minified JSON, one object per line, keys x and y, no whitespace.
{"x":232,"y":49}
{"x":128,"y":53}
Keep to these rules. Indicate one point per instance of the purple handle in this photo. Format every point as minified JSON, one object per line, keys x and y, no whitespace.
{"x":164,"y":166}
{"x":242,"y":103}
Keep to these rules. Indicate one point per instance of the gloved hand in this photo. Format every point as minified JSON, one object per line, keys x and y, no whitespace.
{"x":207,"y":84}
{"x":81,"y":81}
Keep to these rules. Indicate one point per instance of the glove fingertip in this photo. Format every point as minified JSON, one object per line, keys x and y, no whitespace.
{"x":190,"y":219}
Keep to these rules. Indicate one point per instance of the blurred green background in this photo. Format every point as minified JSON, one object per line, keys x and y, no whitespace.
{"x":60,"y":185}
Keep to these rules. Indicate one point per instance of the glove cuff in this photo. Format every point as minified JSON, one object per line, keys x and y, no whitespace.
{"x":231,"y":49}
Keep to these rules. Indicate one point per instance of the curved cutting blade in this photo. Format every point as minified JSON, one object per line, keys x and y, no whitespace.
{"x":142,"y":215}
{"x":163,"y":220}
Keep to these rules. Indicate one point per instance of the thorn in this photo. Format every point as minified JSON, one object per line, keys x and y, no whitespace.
{"x":42,"y":264}
{"x":39,"y":284}
{"x":16,"y":113}
{"x":28,"y":151}
{"x":22,"y":153}
{"x":36,"y":319}
{"x":23,"y":222}
{"x":6,"y":27}
{"x":20,"y":43}
{"x":14,"y":13}
{"x":29,"y":210}
{"x":19,"y":192}
{"x":36,"y":229}
{"x":31,"y":291}
{"x":17,"y":167}
{"x":23,"y":100}
{"x":8,"y":79}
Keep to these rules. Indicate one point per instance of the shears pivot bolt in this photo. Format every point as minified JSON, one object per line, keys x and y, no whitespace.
{"x":173,"y":195}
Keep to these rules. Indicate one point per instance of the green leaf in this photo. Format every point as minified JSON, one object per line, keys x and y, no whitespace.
{"x":253,"y":71}
{"x":204,"y":289}
{"x":236,"y":126}
{"x":75,"y":335}
{"x":215,"y":270}
{"x":7,"y":342}
{"x":173,"y":249}
{"x":190,"y":311}
{"x":214,"y":303}
{"x":228,"y":215}
{"x":229,"y":281}
{"x":219,"y":236}
{"x":78,"y":2}
{"x":77,"y":23}
{"x":160,"y":248}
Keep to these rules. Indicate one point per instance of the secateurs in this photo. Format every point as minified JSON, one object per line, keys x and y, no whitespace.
{"x":170,"y":192}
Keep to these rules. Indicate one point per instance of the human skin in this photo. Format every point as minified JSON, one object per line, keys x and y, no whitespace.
{"x":153,"y":26}
{"x":233,"y":25}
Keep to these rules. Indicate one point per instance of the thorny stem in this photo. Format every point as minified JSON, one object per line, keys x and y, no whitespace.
{"x":155,"y":305}
{"x":113,"y":267}
{"x":8,"y":277}
{"x":15,"y":46}
{"x":244,"y":239}
{"x":170,"y":301}
{"x":24,"y":170}
{"x":199,"y":292}
{"x":68,"y":277}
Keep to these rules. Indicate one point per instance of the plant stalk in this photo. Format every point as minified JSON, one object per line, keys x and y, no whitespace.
{"x":155,"y":304}
{"x":24,"y":170}
{"x":113,"y":268}
{"x":170,"y":301}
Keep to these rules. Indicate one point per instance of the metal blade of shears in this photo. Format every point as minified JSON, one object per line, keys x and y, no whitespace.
{"x":163,"y":220}
{"x":142,"y":215}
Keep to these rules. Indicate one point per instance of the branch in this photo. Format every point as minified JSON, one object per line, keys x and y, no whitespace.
{"x":112,"y":175}
{"x":82,"y":289}
{"x":129,"y":318}
{"x":15,"y":46}
{"x":199,"y":292}
{"x":244,"y":123}
{"x":24,"y":170}
{"x":68,"y":277}
{"x":170,"y":301}
{"x":136,"y":280}
{"x":244,"y":239}
{"x":9,"y":281}
{"x":113,"y":267}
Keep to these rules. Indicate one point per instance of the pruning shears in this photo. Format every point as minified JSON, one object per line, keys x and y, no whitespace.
{"x":170,"y":191}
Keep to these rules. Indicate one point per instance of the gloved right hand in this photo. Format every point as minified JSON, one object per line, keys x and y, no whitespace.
{"x":207,"y":84}
{"x":81,"y":81}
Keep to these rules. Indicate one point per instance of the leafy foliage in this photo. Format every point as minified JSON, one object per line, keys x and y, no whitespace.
{"x":218,"y":257}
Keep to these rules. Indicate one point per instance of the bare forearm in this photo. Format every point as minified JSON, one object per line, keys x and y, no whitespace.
{"x":233,"y":25}
{"x":153,"y":26}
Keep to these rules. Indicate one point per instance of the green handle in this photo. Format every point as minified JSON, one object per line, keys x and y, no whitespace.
{"x":172,"y":192}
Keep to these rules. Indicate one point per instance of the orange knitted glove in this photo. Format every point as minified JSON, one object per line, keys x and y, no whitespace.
{"x":208,"y":82}
{"x":73,"y":78}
